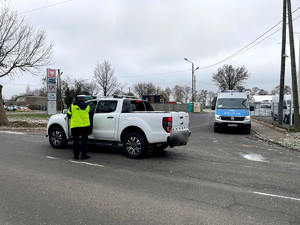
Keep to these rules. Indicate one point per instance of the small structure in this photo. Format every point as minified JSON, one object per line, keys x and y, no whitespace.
{"x":32,"y":102}
{"x":261,"y":98}
{"x":155,"y":99}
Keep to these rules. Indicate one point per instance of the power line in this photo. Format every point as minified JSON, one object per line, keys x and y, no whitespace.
{"x":248,"y":46}
{"x":154,"y":74}
{"x":21,"y":84}
{"x":59,"y":3}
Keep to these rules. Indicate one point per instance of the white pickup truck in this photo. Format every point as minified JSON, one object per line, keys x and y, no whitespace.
{"x":132,"y":122}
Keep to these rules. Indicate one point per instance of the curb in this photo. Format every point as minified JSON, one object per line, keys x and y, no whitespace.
{"x":259,"y":136}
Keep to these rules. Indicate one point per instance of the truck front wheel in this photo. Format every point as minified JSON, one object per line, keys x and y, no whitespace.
{"x":135,"y":146}
{"x":57,"y":138}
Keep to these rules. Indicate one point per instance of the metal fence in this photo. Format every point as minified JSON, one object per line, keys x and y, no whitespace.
{"x":262,"y":109}
{"x":269,"y":112}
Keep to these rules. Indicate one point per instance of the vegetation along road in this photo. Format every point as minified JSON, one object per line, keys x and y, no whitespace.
{"x":218,"y":178}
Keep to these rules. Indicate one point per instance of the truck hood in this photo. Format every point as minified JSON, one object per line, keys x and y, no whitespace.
{"x":233,"y":112}
{"x":60,"y":116}
{"x":57,"y":118}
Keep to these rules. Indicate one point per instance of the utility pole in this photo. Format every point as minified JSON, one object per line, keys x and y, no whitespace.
{"x":282,"y":70}
{"x":59,"y":91}
{"x":293,"y":68}
{"x":193,"y":79}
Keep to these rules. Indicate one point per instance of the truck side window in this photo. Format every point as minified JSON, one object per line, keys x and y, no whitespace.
{"x":106,"y":106}
{"x":137,"y":105}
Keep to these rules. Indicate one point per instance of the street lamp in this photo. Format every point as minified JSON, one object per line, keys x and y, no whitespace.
{"x":193,"y":79}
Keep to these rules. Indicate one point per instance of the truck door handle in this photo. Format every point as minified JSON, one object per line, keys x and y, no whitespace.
{"x":110,"y":117}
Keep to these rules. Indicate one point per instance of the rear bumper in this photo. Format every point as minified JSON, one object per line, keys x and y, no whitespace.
{"x":178,"y":138}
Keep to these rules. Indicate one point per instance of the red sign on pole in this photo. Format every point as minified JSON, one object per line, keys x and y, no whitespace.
{"x":51,"y":73}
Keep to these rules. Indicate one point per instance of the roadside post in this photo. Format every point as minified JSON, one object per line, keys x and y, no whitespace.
{"x":51,"y":91}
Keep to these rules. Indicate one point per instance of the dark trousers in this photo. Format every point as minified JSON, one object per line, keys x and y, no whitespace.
{"x":83,"y":132}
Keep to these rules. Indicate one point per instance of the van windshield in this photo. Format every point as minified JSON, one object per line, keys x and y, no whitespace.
{"x":232,"y":103}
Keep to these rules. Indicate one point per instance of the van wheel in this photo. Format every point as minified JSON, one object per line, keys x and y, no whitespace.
{"x":135,"y":146}
{"x":57,"y":138}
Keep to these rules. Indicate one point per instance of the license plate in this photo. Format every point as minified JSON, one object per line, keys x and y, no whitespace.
{"x":232,"y":125}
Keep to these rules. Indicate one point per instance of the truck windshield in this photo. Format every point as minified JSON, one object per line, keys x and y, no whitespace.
{"x":232,"y":103}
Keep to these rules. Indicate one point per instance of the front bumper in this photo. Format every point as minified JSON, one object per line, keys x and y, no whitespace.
{"x":178,"y":138}
{"x":225,"y":125}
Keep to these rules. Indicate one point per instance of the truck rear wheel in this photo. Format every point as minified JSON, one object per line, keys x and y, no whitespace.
{"x":135,"y":146}
{"x":57,"y":138}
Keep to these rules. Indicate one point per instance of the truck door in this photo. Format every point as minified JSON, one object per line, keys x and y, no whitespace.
{"x":105,"y":120}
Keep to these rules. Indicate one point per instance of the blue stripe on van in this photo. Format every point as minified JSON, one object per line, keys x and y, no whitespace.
{"x":233,"y":112}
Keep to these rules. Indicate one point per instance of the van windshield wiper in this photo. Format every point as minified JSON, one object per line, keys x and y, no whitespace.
{"x":243,"y":103}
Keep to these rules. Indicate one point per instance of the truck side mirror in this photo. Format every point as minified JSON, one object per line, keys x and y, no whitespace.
{"x":251,"y":108}
{"x":213,"y":107}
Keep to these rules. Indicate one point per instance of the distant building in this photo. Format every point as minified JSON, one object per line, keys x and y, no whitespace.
{"x":261,"y":99}
{"x":155,"y":99}
{"x":32,"y":102}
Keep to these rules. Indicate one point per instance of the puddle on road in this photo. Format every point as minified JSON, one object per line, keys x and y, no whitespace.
{"x":254,"y":157}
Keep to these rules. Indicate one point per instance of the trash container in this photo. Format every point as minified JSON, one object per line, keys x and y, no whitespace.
{"x":191,"y":107}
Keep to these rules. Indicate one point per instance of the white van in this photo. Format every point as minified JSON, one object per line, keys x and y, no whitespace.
{"x":232,"y":111}
{"x":286,"y":108}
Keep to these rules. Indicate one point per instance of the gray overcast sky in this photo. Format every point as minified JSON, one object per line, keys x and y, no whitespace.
{"x":146,"y":40}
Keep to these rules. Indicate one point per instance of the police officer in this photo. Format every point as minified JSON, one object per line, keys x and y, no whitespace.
{"x":80,"y":121}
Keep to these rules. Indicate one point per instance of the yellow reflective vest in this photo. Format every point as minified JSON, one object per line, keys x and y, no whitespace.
{"x":79,"y":117}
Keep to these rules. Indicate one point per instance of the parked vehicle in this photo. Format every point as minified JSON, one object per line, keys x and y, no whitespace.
{"x":12,"y":108}
{"x":286,"y":108}
{"x":232,"y":111}
{"x":132,"y":122}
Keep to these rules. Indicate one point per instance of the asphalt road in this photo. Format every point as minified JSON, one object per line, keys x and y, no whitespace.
{"x":218,"y":178}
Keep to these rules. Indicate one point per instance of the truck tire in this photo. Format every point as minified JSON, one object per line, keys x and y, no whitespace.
{"x":135,"y":146}
{"x":57,"y":138}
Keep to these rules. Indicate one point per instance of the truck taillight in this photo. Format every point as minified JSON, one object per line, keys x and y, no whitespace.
{"x":167,"y":124}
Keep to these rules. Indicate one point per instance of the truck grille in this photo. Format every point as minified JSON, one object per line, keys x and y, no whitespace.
{"x":232,"y":118}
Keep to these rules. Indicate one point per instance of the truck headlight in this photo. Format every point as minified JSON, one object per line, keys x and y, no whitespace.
{"x":218,"y":117}
{"x":247,"y":117}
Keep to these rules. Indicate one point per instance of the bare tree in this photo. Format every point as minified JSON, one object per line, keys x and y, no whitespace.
{"x":229,"y":78}
{"x":187,"y":92}
{"x":287,"y":90}
{"x":145,"y":89}
{"x":263,"y":92}
{"x":22,"y":49}
{"x":92,"y":88}
{"x":202,"y":96}
{"x":210,"y":97}
{"x":104,"y":75}
{"x":166,"y":93}
{"x":178,"y":92}
{"x":255,"y":90}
